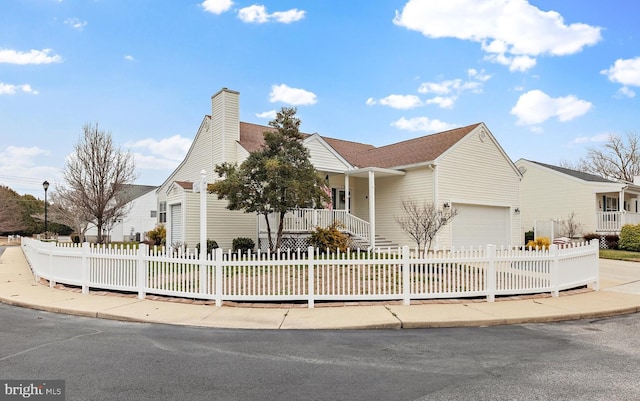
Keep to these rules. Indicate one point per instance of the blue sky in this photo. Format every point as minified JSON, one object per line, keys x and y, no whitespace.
{"x":550,"y":79}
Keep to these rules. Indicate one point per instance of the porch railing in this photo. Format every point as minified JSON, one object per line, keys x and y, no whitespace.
{"x":613,"y":221}
{"x":306,"y":220}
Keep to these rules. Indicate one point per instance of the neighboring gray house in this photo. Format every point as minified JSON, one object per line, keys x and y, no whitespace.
{"x":551,"y":193}
{"x":464,"y":168}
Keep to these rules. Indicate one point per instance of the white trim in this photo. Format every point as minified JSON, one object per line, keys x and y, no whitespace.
{"x":364,"y":172}
{"x":324,"y":143}
{"x":186,"y":157}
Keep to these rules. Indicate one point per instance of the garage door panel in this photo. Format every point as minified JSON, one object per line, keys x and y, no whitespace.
{"x":480,"y":225}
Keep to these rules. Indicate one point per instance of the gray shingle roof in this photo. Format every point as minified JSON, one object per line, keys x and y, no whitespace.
{"x":574,"y":173}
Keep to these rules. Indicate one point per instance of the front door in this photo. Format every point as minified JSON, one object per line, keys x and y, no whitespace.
{"x":338,"y":198}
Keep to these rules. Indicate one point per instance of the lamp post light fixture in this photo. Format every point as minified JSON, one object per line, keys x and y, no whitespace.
{"x":45,"y":185}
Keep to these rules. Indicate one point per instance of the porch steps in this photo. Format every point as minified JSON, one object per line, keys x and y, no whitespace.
{"x":380,"y":242}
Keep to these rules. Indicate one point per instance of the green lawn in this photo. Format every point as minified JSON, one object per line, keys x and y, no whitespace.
{"x":620,"y":255}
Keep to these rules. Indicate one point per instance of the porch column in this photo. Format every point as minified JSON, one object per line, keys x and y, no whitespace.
{"x":347,"y":205}
{"x":621,"y":209}
{"x":372,"y":209}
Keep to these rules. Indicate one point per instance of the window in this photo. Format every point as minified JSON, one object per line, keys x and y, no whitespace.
{"x":153,"y":213}
{"x":611,"y":204}
{"x":163,"y":212}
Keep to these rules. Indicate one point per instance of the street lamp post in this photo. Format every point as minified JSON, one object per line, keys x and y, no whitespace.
{"x":45,"y":185}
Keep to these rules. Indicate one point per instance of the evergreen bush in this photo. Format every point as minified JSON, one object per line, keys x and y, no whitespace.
{"x":211,"y":245}
{"x":243,"y":244}
{"x":630,"y":237}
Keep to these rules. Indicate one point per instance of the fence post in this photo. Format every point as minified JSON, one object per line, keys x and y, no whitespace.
{"x":595,"y":244}
{"x":491,"y":273}
{"x":406,"y":276}
{"x":85,"y":267}
{"x":218,"y":275}
{"x":52,"y":279}
{"x":311,"y":273}
{"x":32,"y":256}
{"x":143,"y":251}
{"x":555,"y":270}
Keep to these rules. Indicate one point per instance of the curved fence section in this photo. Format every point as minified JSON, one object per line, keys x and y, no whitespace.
{"x":310,"y":275}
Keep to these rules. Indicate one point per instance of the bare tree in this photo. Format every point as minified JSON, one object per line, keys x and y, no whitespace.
{"x":96,"y":175}
{"x":570,"y":226}
{"x":422,"y":222}
{"x":10,"y":211}
{"x":618,"y":159}
{"x":65,"y":210}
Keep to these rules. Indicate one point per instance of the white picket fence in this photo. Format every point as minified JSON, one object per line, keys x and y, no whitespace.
{"x":311,"y":276}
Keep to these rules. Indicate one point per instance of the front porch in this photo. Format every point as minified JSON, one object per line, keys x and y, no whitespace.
{"x":353,"y":196}
{"x":298,"y":225}
{"x":615,"y":209}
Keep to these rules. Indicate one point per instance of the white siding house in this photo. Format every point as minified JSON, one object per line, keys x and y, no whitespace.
{"x":142,"y":216}
{"x":464,"y":168}
{"x":552,"y":193}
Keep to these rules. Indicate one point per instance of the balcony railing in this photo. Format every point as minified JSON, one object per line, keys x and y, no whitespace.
{"x":612,"y":222}
{"x":306,"y":220}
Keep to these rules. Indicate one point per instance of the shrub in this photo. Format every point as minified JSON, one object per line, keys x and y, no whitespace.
{"x":612,"y":241}
{"x":630,"y":237}
{"x":75,"y":238}
{"x":588,"y":237}
{"x":211,"y":245}
{"x":243,"y":244}
{"x":539,"y":243}
{"x":529,"y":236}
{"x":330,"y":238}
{"x":158,"y":236}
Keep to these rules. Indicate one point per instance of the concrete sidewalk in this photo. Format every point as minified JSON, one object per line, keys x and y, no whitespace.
{"x":619,"y":282}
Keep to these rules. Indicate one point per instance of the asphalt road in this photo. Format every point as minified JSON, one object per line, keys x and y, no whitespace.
{"x":109,"y":360}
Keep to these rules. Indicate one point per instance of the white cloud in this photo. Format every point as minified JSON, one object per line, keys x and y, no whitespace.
{"x":454,"y":88}
{"x":535,"y":107}
{"x":216,"y":6}
{"x":155,"y":154}
{"x":591,"y":139}
{"x":293,"y":96}
{"x":444,"y":102}
{"x":20,"y":156}
{"x":625,"y":72}
{"x":422,"y":124}
{"x":9,"y":89}
{"x":75,"y":23}
{"x":257,"y":14}
{"x":21,"y":169}
{"x":478,"y":75}
{"x":11,"y":56}
{"x":441,"y":88}
{"x":289,"y":16}
{"x":511,"y":32}
{"x":271,"y":114}
{"x":129,"y":57}
{"x":625,"y":92}
{"x":403,"y":102}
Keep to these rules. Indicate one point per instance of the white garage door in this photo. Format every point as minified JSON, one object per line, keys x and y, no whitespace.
{"x":176,"y":224}
{"x":479,"y":225}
